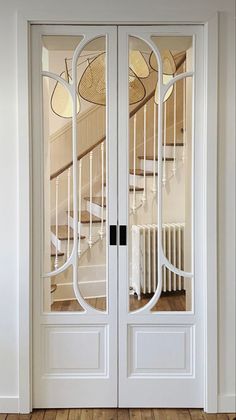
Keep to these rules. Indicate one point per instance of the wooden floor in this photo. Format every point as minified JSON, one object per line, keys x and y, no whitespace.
{"x":119,"y":414}
{"x":167,"y":302}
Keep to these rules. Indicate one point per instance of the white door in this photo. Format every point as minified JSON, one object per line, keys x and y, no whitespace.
{"x":75,"y":268}
{"x":117,"y":216}
{"x":161,"y":361}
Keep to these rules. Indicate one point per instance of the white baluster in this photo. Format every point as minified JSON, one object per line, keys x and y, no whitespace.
{"x":101,"y":233}
{"x":134,"y":175}
{"x":154,"y":188}
{"x":56,"y":231}
{"x":90,"y":197}
{"x":164,"y":151}
{"x":80,"y":202}
{"x":184,"y":114}
{"x":175,"y":111}
{"x":144,"y":151}
{"x":68,"y":212}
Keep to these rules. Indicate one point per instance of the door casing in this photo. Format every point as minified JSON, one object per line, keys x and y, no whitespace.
{"x":210,"y":193}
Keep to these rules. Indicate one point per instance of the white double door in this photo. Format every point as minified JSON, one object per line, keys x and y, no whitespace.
{"x":143,"y":347}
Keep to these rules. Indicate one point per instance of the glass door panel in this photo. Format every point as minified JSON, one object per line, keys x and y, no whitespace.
{"x":75,"y":200}
{"x":158,"y":298}
{"x":59,"y":171}
{"x":175,"y":166}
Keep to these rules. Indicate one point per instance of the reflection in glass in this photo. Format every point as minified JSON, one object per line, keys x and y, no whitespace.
{"x":176,"y":197}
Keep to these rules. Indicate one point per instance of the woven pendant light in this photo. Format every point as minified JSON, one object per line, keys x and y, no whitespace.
{"x":168,"y":62}
{"x":61,"y":101}
{"x":92,"y":85}
{"x":138,"y":65}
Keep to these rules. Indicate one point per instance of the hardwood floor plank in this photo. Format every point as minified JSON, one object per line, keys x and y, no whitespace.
{"x":98,"y":414}
{"x":135,"y":414}
{"x":62,"y":414}
{"x":183,"y":414}
{"x":101,"y":303}
{"x":105,"y":413}
{"x":74,"y":414}
{"x":147,"y":414}
{"x":196,"y":414}
{"x":159,"y":414}
{"x":50,"y":414}
{"x":111,"y":414}
{"x":86,"y":414}
{"x":37,"y":414}
{"x":171,"y":414}
{"x":123,"y":414}
{"x":119,"y":414}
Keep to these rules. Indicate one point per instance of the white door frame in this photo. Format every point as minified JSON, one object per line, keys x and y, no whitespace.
{"x":209,"y":242}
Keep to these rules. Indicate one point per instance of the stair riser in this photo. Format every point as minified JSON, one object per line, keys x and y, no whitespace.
{"x":149,"y":165}
{"x":171,"y":151}
{"x":139,"y":180}
{"x":96,"y":210}
{"x":56,"y":242}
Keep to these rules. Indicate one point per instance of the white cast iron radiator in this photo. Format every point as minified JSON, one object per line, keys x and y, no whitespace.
{"x":144,"y":257}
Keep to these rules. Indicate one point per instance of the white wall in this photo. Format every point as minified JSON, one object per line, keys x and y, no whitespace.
{"x":104,"y":10}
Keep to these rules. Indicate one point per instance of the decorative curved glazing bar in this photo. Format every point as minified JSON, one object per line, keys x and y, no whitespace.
{"x":73,"y":259}
{"x":174,"y":269}
{"x":161,"y":258}
{"x":68,"y":87}
{"x":176,"y":79}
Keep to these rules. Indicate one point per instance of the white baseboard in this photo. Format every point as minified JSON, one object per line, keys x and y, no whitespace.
{"x":92,"y":284}
{"x":227,"y":403}
{"x":9,"y":404}
{"x":89,"y":290}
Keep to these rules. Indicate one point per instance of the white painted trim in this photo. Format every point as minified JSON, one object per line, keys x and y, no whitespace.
{"x":9,"y":404}
{"x":227,"y":403}
{"x":24,"y":193}
{"x":24,"y":217}
{"x":210,"y":251}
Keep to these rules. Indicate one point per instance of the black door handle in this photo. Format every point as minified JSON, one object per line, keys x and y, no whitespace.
{"x":113,"y":235}
{"x":123,"y":235}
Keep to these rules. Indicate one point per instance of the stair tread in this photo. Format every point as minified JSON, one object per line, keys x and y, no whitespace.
{"x":97,"y":200}
{"x":85,"y":217}
{"x":131,"y":188}
{"x":140,"y":172}
{"x":53,"y":252}
{"x":63,"y":232}
{"x":172,"y":144}
{"x":169,"y":159}
{"x":53,"y":288}
{"x":136,"y":189}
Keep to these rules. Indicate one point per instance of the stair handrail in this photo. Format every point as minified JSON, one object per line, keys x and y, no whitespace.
{"x":93,"y":146}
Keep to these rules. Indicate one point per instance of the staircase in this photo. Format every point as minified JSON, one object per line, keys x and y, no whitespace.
{"x":92,"y":205}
